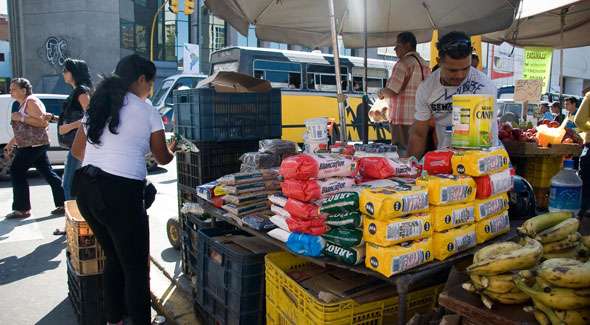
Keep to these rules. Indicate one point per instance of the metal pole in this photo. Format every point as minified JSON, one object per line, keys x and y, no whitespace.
{"x":365,"y":108}
{"x":339,"y":95}
{"x":561,"y":83}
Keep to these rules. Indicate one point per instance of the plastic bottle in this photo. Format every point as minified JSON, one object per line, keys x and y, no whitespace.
{"x":566,"y":190}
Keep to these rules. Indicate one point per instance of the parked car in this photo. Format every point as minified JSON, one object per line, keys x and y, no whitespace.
{"x":511,"y":111}
{"x":53,"y":103}
{"x":163,"y":98}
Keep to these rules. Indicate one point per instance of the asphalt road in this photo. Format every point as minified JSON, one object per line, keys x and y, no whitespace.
{"x":33,"y":287}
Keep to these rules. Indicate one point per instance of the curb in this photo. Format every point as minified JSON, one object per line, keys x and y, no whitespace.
{"x":169,"y":298}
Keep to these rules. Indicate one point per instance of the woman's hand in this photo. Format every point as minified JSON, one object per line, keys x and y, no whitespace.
{"x":17,"y":116}
{"x":8,"y":149}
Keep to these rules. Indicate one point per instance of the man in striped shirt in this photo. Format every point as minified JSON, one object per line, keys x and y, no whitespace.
{"x":401,"y":88}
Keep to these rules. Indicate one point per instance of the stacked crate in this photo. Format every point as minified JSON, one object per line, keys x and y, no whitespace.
{"x":223,"y":126}
{"x":86,"y":255}
{"x":229,"y":286}
{"x":85,"y":262}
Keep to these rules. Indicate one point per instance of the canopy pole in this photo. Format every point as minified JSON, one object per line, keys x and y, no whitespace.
{"x":365,"y":108}
{"x":561,"y":81}
{"x":339,"y":95}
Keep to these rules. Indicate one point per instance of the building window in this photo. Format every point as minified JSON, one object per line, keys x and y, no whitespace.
{"x":140,"y":39}
{"x":216,"y":33}
{"x":127,"y":35}
{"x":2,"y":57}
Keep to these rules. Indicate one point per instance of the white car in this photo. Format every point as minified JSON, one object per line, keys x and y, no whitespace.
{"x":53,"y":104}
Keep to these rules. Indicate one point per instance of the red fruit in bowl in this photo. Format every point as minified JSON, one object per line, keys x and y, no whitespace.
{"x":507,"y":126}
{"x":516,"y":133}
{"x":553,"y":124}
{"x":545,"y":122}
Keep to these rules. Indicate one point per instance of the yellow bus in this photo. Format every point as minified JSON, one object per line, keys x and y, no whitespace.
{"x":308,"y":85}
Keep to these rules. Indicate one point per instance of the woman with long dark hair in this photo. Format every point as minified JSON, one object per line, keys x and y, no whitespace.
{"x":30,"y":144}
{"x":119,"y":129}
{"x":76,"y":75}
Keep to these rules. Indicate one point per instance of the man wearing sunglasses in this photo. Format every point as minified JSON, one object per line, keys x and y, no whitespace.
{"x":435,"y":95}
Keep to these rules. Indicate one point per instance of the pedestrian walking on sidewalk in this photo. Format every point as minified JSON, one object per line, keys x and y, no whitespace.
{"x":29,"y":125}
{"x":75,"y":74}
{"x":119,"y":129}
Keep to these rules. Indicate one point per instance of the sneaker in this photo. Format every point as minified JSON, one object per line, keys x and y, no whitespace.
{"x":17,"y":214}
{"x":58,"y":210}
{"x":58,"y":232}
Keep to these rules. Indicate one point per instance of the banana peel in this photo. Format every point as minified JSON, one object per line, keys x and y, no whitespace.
{"x":523,"y":258}
{"x":541,"y":222}
{"x":569,"y":274}
{"x":559,"y":232}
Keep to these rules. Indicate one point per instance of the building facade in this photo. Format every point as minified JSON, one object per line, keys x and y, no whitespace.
{"x":45,"y":33}
{"x":5,"y":58}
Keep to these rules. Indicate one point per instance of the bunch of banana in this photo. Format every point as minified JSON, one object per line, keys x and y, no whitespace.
{"x":561,"y":292}
{"x":558,"y":232}
{"x":495,"y":266}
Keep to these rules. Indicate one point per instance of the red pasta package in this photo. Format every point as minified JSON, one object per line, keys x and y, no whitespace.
{"x":315,"y":189}
{"x":296,"y":208}
{"x":316,"y":226}
{"x":383,"y":167}
{"x":320,"y":166}
{"x":494,"y":184}
{"x":438,"y":162}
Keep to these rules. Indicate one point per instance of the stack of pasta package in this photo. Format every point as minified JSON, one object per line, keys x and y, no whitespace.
{"x":246,"y":193}
{"x":374,"y":208}
{"x":317,"y":210}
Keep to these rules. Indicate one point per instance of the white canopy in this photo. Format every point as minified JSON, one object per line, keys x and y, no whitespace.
{"x":544,"y":28}
{"x":306,"y":22}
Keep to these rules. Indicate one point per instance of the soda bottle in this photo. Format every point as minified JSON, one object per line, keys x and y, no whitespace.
{"x":565,"y":193}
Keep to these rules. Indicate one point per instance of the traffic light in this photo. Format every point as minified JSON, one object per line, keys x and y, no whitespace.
{"x":189,"y":7}
{"x":173,"y":6}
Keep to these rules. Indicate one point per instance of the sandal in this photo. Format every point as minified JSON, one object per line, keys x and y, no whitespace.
{"x":17,"y":214}
{"x":58,"y":211}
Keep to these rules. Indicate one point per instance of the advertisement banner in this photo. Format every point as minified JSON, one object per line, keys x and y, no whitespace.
{"x":190,"y":58}
{"x":502,"y":62}
{"x":537,"y":64}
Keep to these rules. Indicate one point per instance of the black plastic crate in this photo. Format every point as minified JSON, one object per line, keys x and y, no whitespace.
{"x":215,"y":312}
{"x":230,"y":278}
{"x":211,"y":162}
{"x":191,"y":224}
{"x":86,"y":295}
{"x":206,"y":115}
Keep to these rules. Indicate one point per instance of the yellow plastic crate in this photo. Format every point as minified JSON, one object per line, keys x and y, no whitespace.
{"x":289,"y":303}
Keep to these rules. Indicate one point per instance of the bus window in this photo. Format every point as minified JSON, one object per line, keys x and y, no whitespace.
{"x":324,"y":77}
{"x":377,"y":79}
{"x":280,"y":74}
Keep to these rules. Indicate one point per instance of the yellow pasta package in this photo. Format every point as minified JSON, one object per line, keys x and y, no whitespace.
{"x":480,"y":162}
{"x":448,"y":189}
{"x":398,"y":230}
{"x":490,"y":206}
{"x":453,"y":241}
{"x":452,"y":216}
{"x":491,"y":227}
{"x":385,"y":203}
{"x":398,"y":258}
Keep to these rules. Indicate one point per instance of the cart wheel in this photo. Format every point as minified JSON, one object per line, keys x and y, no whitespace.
{"x":173,"y":232}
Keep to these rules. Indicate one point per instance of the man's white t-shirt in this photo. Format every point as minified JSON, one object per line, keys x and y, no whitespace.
{"x":435,"y":100}
{"x":123,"y":154}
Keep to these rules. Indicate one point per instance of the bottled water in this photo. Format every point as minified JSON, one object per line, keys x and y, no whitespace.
{"x":566,"y":190}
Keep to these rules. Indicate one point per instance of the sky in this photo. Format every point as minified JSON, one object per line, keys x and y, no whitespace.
{"x":3,"y":9}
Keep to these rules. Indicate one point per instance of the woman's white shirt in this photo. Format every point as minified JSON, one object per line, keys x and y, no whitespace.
{"x":123,"y":154}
